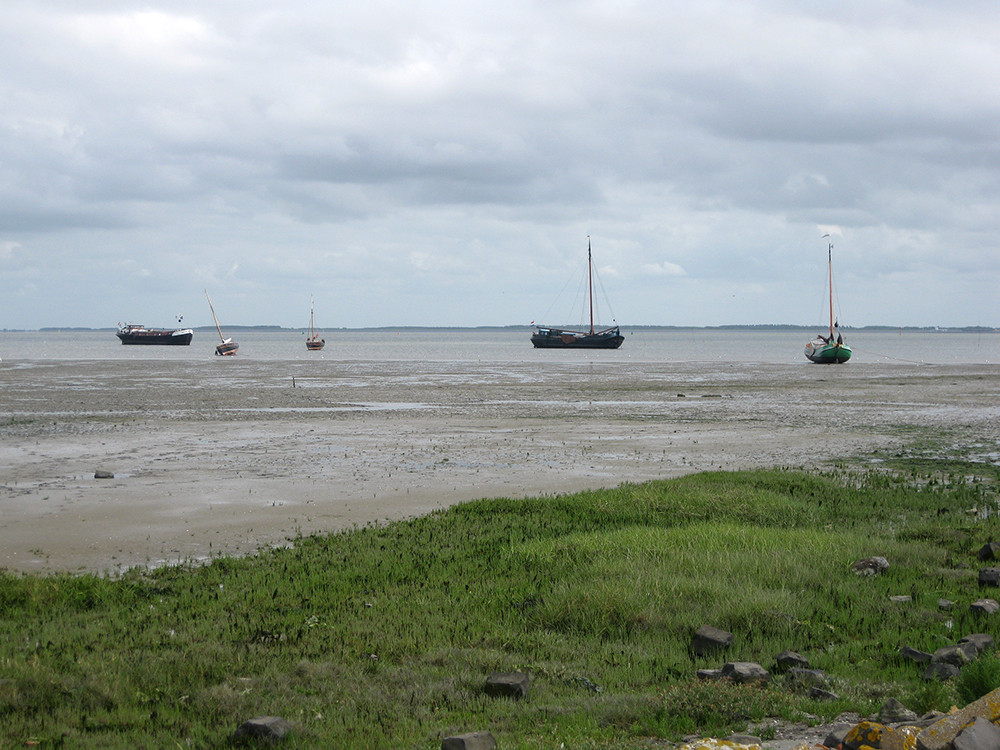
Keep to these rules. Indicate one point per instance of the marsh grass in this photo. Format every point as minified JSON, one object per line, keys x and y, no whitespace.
{"x":383,"y":636}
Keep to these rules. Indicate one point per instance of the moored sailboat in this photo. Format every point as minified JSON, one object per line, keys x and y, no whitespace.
{"x":313,"y":342}
{"x":546,"y":337}
{"x":228,"y":347}
{"x":829,"y":350}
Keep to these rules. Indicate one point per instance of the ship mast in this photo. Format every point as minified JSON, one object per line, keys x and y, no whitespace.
{"x":217,"y":326}
{"x":829,"y":263}
{"x":590,"y":284}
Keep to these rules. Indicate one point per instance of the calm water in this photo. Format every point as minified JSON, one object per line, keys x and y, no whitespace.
{"x":446,"y":345}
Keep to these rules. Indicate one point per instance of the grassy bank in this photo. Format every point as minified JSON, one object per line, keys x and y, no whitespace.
{"x":383,"y":637}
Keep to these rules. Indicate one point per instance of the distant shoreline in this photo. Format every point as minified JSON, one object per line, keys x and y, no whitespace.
{"x":523,"y":328}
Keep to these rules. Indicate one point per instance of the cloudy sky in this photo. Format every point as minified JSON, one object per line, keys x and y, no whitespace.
{"x":443,"y":163}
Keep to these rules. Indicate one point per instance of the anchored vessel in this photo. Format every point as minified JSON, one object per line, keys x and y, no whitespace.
{"x":829,"y":350}
{"x":136,"y":333}
{"x":546,"y":337}
{"x":313,"y":343}
{"x":228,"y":347}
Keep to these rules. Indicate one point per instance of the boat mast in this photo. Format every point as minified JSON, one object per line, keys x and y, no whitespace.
{"x":217,"y":326}
{"x":829,"y":263}
{"x":312,"y":331}
{"x":590,"y":284}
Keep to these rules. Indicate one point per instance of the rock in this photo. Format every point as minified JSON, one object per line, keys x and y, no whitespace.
{"x":940,"y":671}
{"x":263,"y":728}
{"x":945,"y":604}
{"x":979,"y":735}
{"x":990,"y":551}
{"x":707,"y":639}
{"x":982,"y":641}
{"x":819,"y":694}
{"x":901,"y":599}
{"x":469,"y":741}
{"x":709,"y":674}
{"x":985,"y":607}
{"x":800,"y":678}
{"x":866,"y":733}
{"x":900,"y":737}
{"x":788,"y":659}
{"x":507,"y":684}
{"x":894,"y":712}
{"x":989,"y":577}
{"x":836,"y":736}
{"x":912,"y":654}
{"x":870,"y":566}
{"x":104,"y":474}
{"x":743,"y":672}
{"x":744,"y":739}
{"x":958,"y":655}
{"x":942,"y":733}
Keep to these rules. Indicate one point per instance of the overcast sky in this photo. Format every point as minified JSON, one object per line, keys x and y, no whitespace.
{"x":443,"y":163}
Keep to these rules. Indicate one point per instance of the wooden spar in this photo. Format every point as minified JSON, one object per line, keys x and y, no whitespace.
{"x":829,"y":263}
{"x":217,"y":326}
{"x":590,"y":284}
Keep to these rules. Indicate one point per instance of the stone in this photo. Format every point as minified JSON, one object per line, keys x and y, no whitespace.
{"x":911,"y":654}
{"x":990,"y":551}
{"x":104,"y":474}
{"x":957,"y":655}
{"x":900,"y":737}
{"x":707,"y":639}
{"x":743,"y":672}
{"x":982,"y":641}
{"x":989,"y":577}
{"x":871,"y":566}
{"x":901,"y":599}
{"x":263,"y":728}
{"x":985,"y":607}
{"x":945,"y":604}
{"x":799,"y":677}
{"x":469,"y":741}
{"x":744,"y":739}
{"x":836,"y":736}
{"x":894,"y":712}
{"x":819,"y":694}
{"x":788,"y":659}
{"x":507,"y":684}
{"x":979,"y":735}
{"x":942,"y":733}
{"x":709,"y":674}
{"x":866,"y":733}
{"x":940,"y":671}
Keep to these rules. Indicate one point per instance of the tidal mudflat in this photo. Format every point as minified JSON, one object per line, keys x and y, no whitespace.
{"x":225,"y":457}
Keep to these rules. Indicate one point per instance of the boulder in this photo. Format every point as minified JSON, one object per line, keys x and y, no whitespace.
{"x":940,"y":671}
{"x":985,"y":607}
{"x":836,"y":736}
{"x":469,"y":741}
{"x":911,"y":654}
{"x":901,"y":599}
{"x":709,"y":674}
{"x":871,"y":566}
{"x":982,"y":641}
{"x":866,"y":733}
{"x":788,"y":659}
{"x":945,"y":604}
{"x":957,"y":655}
{"x":990,"y":551}
{"x":979,"y":735}
{"x":819,"y":694}
{"x":894,"y":712}
{"x":989,"y":577}
{"x":263,"y":729}
{"x":507,"y":684}
{"x":800,"y":678}
{"x":942,"y":733}
{"x":743,"y":672}
{"x":104,"y":474}
{"x":707,"y":639}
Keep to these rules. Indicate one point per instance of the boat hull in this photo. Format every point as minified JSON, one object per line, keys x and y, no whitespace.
{"x":557,"y":338}
{"x":314,"y":345}
{"x":227,"y":349}
{"x":823,"y":353}
{"x":134,"y":336}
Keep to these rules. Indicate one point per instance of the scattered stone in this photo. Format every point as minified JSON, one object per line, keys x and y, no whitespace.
{"x":979,"y":735}
{"x":989,"y":577}
{"x":945,"y":604}
{"x":104,"y":474}
{"x":940,"y":671}
{"x":709,"y":674}
{"x":985,"y":607}
{"x":800,"y":678}
{"x":788,"y":659}
{"x":901,"y":599}
{"x":912,"y":654}
{"x":836,"y":736}
{"x":469,"y":741}
{"x":743,"y":672}
{"x":263,"y":729}
{"x":982,"y":641}
{"x":942,"y":733}
{"x":990,"y":551}
{"x":866,"y":733}
{"x":894,"y":712}
{"x":870,"y":566}
{"x":819,"y":694}
{"x":958,"y":655}
{"x":707,"y":639}
{"x":507,"y":684}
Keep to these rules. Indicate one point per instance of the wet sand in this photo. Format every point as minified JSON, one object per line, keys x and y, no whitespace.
{"x":226,"y":457}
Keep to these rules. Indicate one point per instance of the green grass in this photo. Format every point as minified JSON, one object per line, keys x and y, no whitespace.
{"x":384,"y":636}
